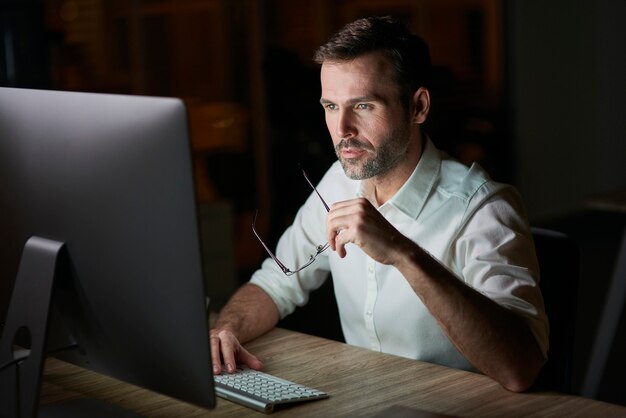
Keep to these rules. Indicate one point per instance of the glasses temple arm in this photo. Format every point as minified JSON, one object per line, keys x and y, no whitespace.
{"x":271,"y":254}
{"x":314,"y":188}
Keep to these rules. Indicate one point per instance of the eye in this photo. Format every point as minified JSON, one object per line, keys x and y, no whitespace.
{"x":330,"y":106}
{"x":362,"y":106}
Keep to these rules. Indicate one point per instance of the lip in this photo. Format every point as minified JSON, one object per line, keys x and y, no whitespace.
{"x":352,"y":152}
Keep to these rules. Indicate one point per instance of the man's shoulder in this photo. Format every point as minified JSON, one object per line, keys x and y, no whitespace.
{"x":466,"y":182}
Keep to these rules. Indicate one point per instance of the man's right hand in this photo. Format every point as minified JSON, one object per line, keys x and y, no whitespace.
{"x":227,"y":352}
{"x":249,"y":313}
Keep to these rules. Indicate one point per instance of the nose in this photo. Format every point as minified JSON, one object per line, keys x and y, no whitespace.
{"x":346,"y":127}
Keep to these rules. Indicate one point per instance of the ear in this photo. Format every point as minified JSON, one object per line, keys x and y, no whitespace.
{"x":420,"y":105}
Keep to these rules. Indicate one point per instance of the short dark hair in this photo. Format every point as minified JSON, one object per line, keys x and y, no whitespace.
{"x":407,"y":52}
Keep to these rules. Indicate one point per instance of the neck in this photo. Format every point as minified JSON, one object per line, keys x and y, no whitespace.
{"x":378,"y":190}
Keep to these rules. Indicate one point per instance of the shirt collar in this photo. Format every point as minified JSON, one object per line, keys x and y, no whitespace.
{"x":412,"y":195}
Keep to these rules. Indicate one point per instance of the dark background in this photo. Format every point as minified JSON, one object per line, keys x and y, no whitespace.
{"x":533,"y":90}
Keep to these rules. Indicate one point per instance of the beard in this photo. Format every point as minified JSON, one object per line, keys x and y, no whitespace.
{"x":380,"y":160}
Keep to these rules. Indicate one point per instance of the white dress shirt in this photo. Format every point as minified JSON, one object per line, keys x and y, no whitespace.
{"x":474,"y":226}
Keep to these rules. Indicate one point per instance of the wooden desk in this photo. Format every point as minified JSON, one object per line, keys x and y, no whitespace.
{"x":360,"y":383}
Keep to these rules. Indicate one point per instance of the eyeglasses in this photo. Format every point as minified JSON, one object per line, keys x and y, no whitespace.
{"x":318,"y":250}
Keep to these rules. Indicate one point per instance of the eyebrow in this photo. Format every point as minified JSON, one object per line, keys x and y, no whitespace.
{"x":372,"y":98}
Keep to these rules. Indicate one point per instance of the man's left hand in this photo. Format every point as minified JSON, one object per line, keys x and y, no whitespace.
{"x":358,"y":222}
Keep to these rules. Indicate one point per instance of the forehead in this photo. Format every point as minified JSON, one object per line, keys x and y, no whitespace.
{"x":366,"y":76}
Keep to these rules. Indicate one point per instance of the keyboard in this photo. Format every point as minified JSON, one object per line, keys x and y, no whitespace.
{"x":262,"y":391}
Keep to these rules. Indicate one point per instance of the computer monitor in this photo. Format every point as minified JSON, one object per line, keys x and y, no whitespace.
{"x":106,"y":182}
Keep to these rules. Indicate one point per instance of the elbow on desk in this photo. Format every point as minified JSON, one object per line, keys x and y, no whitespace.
{"x":517,"y":385}
{"x":520,"y":370}
{"x":519,"y":379}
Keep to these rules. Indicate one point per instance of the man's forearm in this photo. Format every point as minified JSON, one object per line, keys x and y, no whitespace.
{"x":250,"y":312}
{"x":495,"y":340}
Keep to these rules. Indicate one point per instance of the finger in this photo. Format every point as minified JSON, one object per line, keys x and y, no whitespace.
{"x":228,"y":354}
{"x":331,"y":233}
{"x":344,"y":204}
{"x":340,"y":242}
{"x":341,"y":251}
{"x":249,"y":359}
{"x":215,"y":354}
{"x":333,"y":240}
{"x":335,"y":225}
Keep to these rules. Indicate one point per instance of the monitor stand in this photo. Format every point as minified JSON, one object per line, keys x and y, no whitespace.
{"x":23,"y":345}
{"x":28,"y":320}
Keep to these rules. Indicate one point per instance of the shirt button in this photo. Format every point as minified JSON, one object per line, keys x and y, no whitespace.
{"x":368,"y":313}
{"x":370,"y":269}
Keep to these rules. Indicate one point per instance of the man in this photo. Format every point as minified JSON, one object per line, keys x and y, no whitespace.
{"x":430,"y":259}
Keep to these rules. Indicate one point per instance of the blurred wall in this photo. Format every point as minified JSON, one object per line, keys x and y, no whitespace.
{"x":568,"y":88}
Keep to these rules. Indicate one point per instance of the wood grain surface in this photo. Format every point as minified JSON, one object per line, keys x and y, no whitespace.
{"x":360,"y":382}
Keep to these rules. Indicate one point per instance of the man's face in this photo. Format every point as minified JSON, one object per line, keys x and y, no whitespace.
{"x":369,"y":126}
